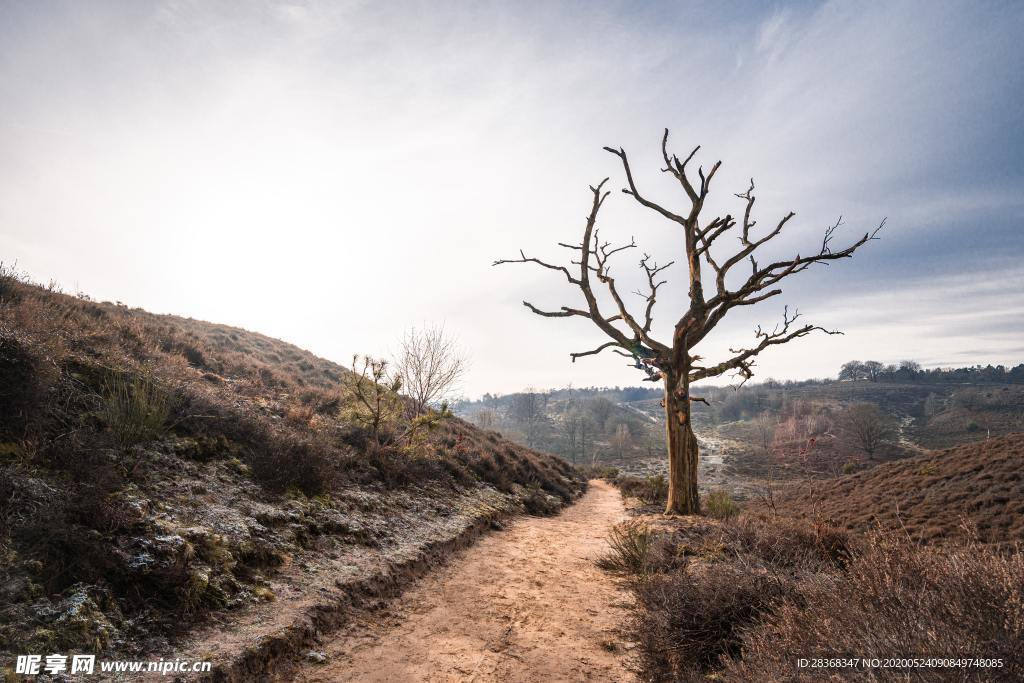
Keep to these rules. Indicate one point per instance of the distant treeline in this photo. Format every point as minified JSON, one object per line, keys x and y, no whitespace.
{"x":854,"y":370}
{"x":614,"y":394}
{"x":911,"y":371}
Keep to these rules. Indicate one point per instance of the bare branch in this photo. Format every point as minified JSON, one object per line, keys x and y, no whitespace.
{"x":677,"y":168}
{"x":652,"y":269}
{"x":635,"y":193}
{"x":743,"y":362}
{"x":592,"y":352}
{"x":524,"y":259}
{"x":566,"y":312}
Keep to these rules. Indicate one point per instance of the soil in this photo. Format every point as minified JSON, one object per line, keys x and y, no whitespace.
{"x":524,"y":604}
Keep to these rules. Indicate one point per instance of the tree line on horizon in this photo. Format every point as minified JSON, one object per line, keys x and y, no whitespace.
{"x":911,"y":371}
{"x":855,"y":370}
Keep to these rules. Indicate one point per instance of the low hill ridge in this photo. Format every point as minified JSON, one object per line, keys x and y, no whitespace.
{"x":974,"y":490}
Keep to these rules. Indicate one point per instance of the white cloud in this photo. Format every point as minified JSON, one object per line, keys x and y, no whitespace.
{"x":330,"y":173}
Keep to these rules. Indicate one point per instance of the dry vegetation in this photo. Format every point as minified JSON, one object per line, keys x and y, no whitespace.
{"x":154,"y":468}
{"x":742,"y":600}
{"x":928,"y":565}
{"x":975,"y":490}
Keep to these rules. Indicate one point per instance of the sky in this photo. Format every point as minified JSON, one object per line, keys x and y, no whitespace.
{"x":334,"y":173}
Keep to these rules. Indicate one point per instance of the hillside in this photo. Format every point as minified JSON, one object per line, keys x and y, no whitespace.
{"x":971,"y":490}
{"x":164,"y":481}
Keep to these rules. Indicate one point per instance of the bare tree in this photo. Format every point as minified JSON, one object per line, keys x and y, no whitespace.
{"x":873,"y":369}
{"x":674,"y":363}
{"x":430,"y":364}
{"x":621,"y":439}
{"x":528,"y":410}
{"x":585,"y":428}
{"x":601,"y":409}
{"x":765,"y":425}
{"x":571,"y":431}
{"x":867,"y":427}
{"x":485,"y":418}
{"x":852,"y":370}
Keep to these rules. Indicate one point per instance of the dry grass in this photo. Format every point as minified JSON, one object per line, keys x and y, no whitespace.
{"x":971,"y":491}
{"x":744,"y":599}
{"x":720,"y":505}
{"x":898,"y":599}
{"x":630,"y":549}
{"x":135,"y":408}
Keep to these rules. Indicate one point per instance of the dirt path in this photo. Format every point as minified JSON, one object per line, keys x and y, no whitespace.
{"x":524,"y":604}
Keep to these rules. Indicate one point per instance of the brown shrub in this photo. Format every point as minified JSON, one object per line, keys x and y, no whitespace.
{"x":784,"y":543}
{"x":687,"y":620}
{"x":651,"y":490}
{"x":284,"y":464}
{"x":689,"y":613}
{"x":300,"y":415}
{"x":24,"y":381}
{"x":898,"y":599}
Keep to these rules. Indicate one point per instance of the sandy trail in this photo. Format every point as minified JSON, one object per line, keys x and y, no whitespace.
{"x":524,"y":604}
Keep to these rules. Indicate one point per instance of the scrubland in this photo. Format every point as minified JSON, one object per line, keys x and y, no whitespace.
{"x":160,"y":474}
{"x":913,"y":558}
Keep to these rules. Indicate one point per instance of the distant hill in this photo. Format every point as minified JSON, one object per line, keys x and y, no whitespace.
{"x":943,"y":495}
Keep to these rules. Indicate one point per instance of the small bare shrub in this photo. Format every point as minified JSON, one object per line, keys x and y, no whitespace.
{"x":430,"y":365}
{"x":867,"y":427}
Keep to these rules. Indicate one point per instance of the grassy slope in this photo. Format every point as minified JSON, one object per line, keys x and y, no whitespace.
{"x":975,"y":488}
{"x":114,"y":542}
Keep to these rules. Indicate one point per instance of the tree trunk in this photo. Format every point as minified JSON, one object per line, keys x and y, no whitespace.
{"x":682,"y":451}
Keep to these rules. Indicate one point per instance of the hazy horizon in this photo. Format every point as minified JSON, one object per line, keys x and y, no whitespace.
{"x":333,"y":174}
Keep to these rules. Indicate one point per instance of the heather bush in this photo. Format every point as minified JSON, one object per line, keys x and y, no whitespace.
{"x":686,"y":620}
{"x":744,"y":599}
{"x":898,"y":599}
{"x":652,"y":490}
